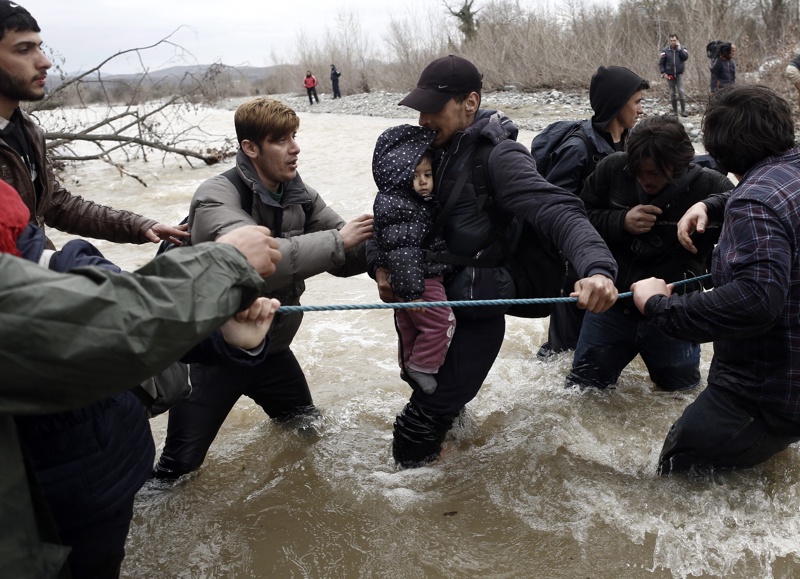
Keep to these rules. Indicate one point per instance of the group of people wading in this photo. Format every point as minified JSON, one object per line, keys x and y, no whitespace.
{"x":74,"y":342}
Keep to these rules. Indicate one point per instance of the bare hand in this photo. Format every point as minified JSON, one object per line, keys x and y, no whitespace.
{"x":641,"y":219}
{"x":695,"y":219}
{"x":161,"y":232}
{"x":595,"y":294}
{"x":644,"y":289}
{"x":356,"y":231}
{"x":416,"y":309}
{"x":248,"y":328}
{"x":385,"y":291}
{"x":257,"y":245}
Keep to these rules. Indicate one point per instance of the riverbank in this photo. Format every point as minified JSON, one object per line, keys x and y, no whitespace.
{"x":531,"y":111}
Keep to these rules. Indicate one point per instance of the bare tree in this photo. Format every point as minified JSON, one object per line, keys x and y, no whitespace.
{"x":129,"y":123}
{"x":467,"y":23}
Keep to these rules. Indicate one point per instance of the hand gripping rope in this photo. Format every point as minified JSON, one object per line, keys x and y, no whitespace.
{"x":454,"y":304}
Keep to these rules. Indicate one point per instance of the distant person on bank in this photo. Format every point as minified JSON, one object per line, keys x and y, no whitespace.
{"x":723,"y":68}
{"x":750,"y":409}
{"x":312,"y":238}
{"x":335,"y":74}
{"x":23,"y":155}
{"x":671,"y":63}
{"x":310,"y":82}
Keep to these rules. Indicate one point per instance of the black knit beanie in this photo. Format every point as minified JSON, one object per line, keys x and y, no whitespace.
{"x":610,"y":89}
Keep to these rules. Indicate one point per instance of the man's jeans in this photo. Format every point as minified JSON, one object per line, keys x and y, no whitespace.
{"x":609,"y":341}
{"x":676,"y":86}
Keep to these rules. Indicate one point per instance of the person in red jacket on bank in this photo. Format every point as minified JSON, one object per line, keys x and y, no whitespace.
{"x":310,"y":82}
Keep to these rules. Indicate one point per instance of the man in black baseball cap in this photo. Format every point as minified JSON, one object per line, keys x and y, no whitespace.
{"x":448,"y":98}
{"x":448,"y":95}
{"x":442,"y":79}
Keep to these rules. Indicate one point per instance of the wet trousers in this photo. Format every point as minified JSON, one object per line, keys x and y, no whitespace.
{"x":565,"y":324}
{"x":611,"y":340}
{"x":421,"y":427}
{"x":722,"y":430}
{"x":98,"y":550}
{"x":425,"y":336}
{"x":312,"y":92}
{"x":278,"y":385}
{"x":90,"y":463}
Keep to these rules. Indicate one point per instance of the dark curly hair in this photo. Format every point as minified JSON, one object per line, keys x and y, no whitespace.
{"x":663,"y":139}
{"x":744,"y":124}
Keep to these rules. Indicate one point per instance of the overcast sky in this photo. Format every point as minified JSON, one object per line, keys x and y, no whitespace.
{"x":237,"y":32}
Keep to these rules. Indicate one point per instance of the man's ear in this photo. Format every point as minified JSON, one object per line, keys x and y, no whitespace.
{"x":250,"y":148}
{"x":473,"y":103}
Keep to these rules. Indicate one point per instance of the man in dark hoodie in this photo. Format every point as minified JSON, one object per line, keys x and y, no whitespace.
{"x":448,"y":96}
{"x":616,"y":95}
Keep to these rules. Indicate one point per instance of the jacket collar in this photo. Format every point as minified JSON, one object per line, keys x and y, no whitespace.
{"x":294,"y":191}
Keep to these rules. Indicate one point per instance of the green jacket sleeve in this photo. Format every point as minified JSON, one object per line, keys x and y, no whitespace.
{"x":67,"y":340}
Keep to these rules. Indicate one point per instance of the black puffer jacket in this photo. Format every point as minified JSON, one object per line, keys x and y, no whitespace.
{"x":611,"y":191}
{"x":520,"y":191}
{"x":403,"y":219}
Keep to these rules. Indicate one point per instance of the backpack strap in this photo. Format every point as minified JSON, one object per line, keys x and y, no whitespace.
{"x":479,"y":169}
{"x":455,"y":193}
{"x":445,"y":257}
{"x":590,"y":148}
{"x":480,"y":173}
{"x":245,"y":193}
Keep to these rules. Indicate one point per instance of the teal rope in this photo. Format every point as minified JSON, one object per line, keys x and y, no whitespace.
{"x":454,"y":304}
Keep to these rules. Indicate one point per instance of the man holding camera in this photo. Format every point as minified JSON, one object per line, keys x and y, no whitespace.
{"x":634,"y":200}
{"x":671,"y":64}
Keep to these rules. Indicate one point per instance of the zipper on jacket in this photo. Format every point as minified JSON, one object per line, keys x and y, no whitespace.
{"x":473,"y":276}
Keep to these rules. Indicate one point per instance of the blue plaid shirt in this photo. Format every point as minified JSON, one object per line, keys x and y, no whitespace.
{"x":753,"y":313}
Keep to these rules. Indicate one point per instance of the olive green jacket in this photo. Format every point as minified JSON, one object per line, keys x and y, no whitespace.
{"x":67,"y":340}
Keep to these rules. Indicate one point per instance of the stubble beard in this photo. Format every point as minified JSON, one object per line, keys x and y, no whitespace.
{"x":18,"y":89}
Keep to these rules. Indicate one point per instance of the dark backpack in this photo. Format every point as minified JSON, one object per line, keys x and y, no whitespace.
{"x":538,"y":268}
{"x":544,"y":145}
{"x":717,"y":48}
{"x":245,"y":196}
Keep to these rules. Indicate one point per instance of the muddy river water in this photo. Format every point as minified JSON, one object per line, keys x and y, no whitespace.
{"x":538,"y":481}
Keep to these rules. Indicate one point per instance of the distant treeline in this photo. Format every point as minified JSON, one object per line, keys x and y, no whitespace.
{"x":559,"y":47}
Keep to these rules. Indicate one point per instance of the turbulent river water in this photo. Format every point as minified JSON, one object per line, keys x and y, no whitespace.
{"x":537,"y":481}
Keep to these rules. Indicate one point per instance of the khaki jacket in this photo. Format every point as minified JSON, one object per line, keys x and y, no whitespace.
{"x":306,"y":228}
